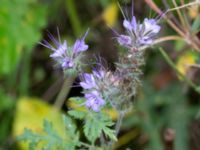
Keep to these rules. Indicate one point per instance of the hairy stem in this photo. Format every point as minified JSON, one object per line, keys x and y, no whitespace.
{"x":119,"y":123}
{"x":103,"y":142}
{"x":64,"y":92}
{"x":117,"y":128}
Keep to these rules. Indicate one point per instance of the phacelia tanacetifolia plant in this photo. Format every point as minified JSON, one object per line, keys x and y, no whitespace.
{"x":103,"y":88}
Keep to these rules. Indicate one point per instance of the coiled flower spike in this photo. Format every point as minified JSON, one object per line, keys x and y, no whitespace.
{"x":138,"y":34}
{"x":67,"y":57}
{"x":93,"y":95}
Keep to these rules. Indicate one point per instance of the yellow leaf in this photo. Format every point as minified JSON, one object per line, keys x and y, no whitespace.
{"x":185,"y":61}
{"x":30,"y":113}
{"x":111,"y":112}
{"x":194,"y":11}
{"x":110,"y":14}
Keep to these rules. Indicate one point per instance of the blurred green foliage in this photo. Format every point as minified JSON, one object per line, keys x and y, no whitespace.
{"x":21,"y":23}
{"x":7,"y":105}
{"x":20,"y":29}
{"x":156,"y":112}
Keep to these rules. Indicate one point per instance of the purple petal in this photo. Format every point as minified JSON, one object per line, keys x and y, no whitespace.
{"x":53,"y":39}
{"x":134,"y":23}
{"x":86,"y":85}
{"x":60,"y":51}
{"x":145,"y":40}
{"x":80,"y":45}
{"x":99,"y":73}
{"x":151,"y":26}
{"x":124,"y":40}
{"x":68,"y":63}
{"x":127,"y":24}
{"x":94,"y":101}
{"x":88,"y":81}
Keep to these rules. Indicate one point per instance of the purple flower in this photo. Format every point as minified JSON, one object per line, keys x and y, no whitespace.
{"x":99,"y":74}
{"x":138,"y":34}
{"x":124,"y":40}
{"x":59,"y":51}
{"x":91,"y":86}
{"x":63,"y":54}
{"x":94,"y":101}
{"x":151,"y":26}
{"x":80,"y":45}
{"x":130,"y":25}
{"x":67,"y":63}
{"x":89,"y":81}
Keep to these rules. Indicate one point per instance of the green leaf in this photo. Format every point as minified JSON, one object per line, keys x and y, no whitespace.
{"x":50,"y":139}
{"x":196,"y":25}
{"x":77,"y":100}
{"x":96,"y":123}
{"x":77,"y":114}
{"x":69,"y":125}
{"x":32,"y":137}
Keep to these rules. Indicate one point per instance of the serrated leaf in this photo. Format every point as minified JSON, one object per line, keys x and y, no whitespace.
{"x":92,"y":129}
{"x":69,"y":125}
{"x":30,"y":113}
{"x":50,"y":139}
{"x":96,"y":123}
{"x":77,"y":114}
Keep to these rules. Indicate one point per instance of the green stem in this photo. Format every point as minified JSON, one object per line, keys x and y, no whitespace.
{"x":117,"y":128}
{"x":64,"y":91}
{"x":102,"y":140}
{"x":119,"y":123}
{"x":24,"y":74}
{"x":85,"y":144}
{"x":173,"y":65}
{"x":73,"y":16}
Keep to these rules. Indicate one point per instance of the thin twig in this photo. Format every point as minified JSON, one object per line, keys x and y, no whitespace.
{"x":171,"y":63}
{"x":184,"y":6}
{"x":188,"y":38}
{"x":163,"y":39}
{"x":180,"y":15}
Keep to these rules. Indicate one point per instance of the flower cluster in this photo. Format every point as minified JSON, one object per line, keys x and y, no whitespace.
{"x":66,"y":56}
{"x":91,"y":84}
{"x":117,"y":88}
{"x":138,"y":34}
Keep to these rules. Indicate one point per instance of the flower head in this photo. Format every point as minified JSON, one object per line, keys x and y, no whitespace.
{"x":91,"y":86}
{"x":65,"y":55}
{"x":124,"y":40}
{"x":60,"y":50}
{"x":94,"y":100}
{"x":88,"y":81}
{"x":138,"y":34}
{"x":151,"y":26}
